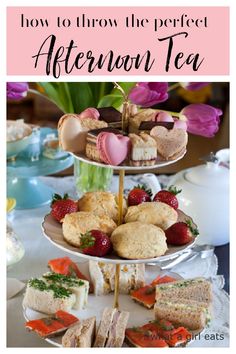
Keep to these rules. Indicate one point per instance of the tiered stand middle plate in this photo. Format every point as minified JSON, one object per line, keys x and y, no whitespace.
{"x":53,"y":231}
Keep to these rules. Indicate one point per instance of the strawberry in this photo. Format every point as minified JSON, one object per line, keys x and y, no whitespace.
{"x":181,"y":233}
{"x":95,"y":243}
{"x":168,"y":197}
{"x":138,"y":195}
{"x":62,"y":206}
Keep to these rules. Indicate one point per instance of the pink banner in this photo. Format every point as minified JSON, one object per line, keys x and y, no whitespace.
{"x":59,"y":41}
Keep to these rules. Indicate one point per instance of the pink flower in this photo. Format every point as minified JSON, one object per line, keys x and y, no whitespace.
{"x":193,"y":86}
{"x":146,"y":94}
{"x":202,"y":119}
{"x":17,"y":90}
{"x":90,"y":113}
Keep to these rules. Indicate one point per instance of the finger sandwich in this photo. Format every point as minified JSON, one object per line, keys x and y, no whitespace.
{"x":111,"y":330}
{"x":53,"y":292}
{"x":103,"y":277}
{"x":198,"y":289}
{"x":80,"y":335}
{"x":188,"y":313}
{"x":78,"y":287}
{"x":184,"y":302}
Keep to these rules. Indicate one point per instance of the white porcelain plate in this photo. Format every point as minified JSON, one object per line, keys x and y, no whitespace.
{"x":158,"y":164}
{"x":139,"y":315}
{"x":52,"y":230}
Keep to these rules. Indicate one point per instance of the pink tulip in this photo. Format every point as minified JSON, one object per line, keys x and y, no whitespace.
{"x":147,"y":94}
{"x":193,"y":86}
{"x":90,"y":113}
{"x":17,"y":90}
{"x":202,"y":119}
{"x":163,"y":117}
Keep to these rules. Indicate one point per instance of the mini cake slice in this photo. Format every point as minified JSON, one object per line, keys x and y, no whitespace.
{"x":111,"y":116}
{"x":143,"y":150}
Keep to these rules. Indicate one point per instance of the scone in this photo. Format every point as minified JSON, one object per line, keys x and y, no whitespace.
{"x":72,"y":130}
{"x":156,"y":213}
{"x":137,"y":240}
{"x":101,"y":203}
{"x":78,"y":223}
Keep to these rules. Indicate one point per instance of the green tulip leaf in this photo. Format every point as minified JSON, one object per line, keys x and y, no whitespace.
{"x":114,"y":100}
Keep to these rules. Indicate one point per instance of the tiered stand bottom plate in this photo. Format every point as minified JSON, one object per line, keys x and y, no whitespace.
{"x":138,"y":314}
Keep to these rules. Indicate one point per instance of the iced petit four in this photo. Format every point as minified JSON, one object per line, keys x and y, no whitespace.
{"x":143,"y":150}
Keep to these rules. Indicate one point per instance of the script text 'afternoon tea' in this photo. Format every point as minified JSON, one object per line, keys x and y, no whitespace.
{"x":70,"y":58}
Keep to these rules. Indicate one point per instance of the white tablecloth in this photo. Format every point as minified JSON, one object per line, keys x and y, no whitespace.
{"x":38,"y":250}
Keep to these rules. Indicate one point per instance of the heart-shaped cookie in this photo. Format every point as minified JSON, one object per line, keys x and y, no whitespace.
{"x":72,"y":130}
{"x":113,"y":148}
{"x":170,"y":143}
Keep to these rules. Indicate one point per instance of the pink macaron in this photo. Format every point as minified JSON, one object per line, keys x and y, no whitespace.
{"x":90,"y":113}
{"x":113,"y":148}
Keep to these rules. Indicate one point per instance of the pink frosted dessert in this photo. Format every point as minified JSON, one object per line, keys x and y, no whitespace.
{"x":113,"y":148}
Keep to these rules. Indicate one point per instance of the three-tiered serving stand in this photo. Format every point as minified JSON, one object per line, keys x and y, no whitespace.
{"x":54,"y":233}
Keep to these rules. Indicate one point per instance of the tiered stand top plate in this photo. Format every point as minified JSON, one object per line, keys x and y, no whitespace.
{"x":82,"y":157}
